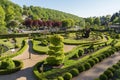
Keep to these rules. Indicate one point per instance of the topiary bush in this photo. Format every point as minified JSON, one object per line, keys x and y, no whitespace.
{"x":81,"y":68}
{"x":103,"y":77}
{"x":117,"y":73}
{"x":74,"y":72}
{"x":75,"y":55}
{"x":60,"y":78}
{"x":91,"y":62}
{"x":44,"y":43}
{"x":67,"y":76}
{"x":111,"y":69}
{"x":95,"y":59}
{"x":56,"y":54}
{"x":115,"y":66}
{"x":7,"y":64}
{"x":80,"y":52}
{"x":108,"y":73}
{"x":87,"y":66}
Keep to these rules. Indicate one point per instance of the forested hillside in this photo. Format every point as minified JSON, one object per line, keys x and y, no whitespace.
{"x":11,"y":15}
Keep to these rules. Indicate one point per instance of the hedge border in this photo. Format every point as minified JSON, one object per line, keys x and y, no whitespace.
{"x":17,"y":53}
{"x":18,"y":64}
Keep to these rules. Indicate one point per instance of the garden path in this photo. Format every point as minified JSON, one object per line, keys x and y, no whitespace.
{"x":99,"y":68}
{"x":26,"y":72}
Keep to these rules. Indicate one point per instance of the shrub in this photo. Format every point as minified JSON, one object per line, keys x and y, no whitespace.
{"x":87,"y":66}
{"x":17,"y":46}
{"x":92,"y":62}
{"x":118,"y":63}
{"x":95,"y":59}
{"x":60,"y":78}
{"x":108,"y":73}
{"x":80,"y":52}
{"x":100,"y":58}
{"x":81,"y":68}
{"x":67,"y":76}
{"x":115,"y":66}
{"x":117,"y":73}
{"x":7,"y":64}
{"x":74,"y":72}
{"x":75,"y":55}
{"x":103,"y":77}
{"x":44,"y":43}
{"x":111,"y":69}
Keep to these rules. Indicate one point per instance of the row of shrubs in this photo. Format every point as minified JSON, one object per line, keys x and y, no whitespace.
{"x":23,"y":47}
{"x":18,"y":66}
{"x":111,"y":72}
{"x":89,"y":64}
{"x":80,"y":66}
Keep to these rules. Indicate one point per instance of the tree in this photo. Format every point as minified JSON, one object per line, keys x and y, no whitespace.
{"x":66,"y":23}
{"x":56,"y":54}
{"x":12,"y":24}
{"x":9,"y":14}
{"x":97,"y":21}
{"x":2,"y":17}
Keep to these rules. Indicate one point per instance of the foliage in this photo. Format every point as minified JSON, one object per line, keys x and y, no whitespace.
{"x":92,"y":62}
{"x":81,"y":68}
{"x":74,"y":72}
{"x":56,"y":54}
{"x":108,"y":73}
{"x":87,"y":66}
{"x":80,"y":52}
{"x":7,"y":64}
{"x":103,"y":77}
{"x":67,"y":76}
{"x":60,"y":78}
{"x":117,"y":73}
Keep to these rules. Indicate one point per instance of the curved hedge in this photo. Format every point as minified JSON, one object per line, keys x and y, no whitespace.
{"x":18,"y":67}
{"x":23,"y":47}
{"x":55,"y":73}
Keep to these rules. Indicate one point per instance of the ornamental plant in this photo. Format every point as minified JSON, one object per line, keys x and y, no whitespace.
{"x":55,"y":52}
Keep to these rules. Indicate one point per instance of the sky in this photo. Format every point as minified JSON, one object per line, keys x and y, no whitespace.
{"x":81,"y":8}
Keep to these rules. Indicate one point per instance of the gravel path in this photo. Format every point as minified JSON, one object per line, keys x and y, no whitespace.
{"x":26,"y":73}
{"x":99,"y":68}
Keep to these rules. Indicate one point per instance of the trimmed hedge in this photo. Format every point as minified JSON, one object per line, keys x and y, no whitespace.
{"x":18,"y":66}
{"x":67,"y":76}
{"x":74,"y":72}
{"x":49,"y":75}
{"x":23,"y":47}
{"x":103,"y":77}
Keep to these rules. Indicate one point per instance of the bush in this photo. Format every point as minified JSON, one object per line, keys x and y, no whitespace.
{"x":60,"y":78}
{"x":108,"y":73}
{"x":17,"y":46}
{"x":111,"y":69}
{"x":75,"y":55}
{"x":117,"y":73}
{"x":100,"y":58}
{"x":74,"y":72}
{"x":44,"y":43}
{"x":7,"y":64}
{"x":92,"y":62}
{"x":18,"y":66}
{"x":115,"y":66}
{"x":81,"y":68}
{"x":87,"y":66}
{"x":80,"y":52}
{"x":67,"y":76}
{"x":95,"y":59}
{"x":103,"y":77}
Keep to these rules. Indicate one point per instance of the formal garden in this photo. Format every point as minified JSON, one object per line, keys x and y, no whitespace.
{"x":60,"y":65}
{"x":44,"y":44}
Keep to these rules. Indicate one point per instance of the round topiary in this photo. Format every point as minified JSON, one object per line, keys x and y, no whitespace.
{"x":100,"y":58}
{"x":74,"y":72}
{"x":118,"y":63}
{"x":117,"y":73}
{"x":95,"y":59}
{"x":67,"y":76}
{"x":92,"y":62}
{"x":115,"y":66}
{"x":80,"y":52}
{"x":103,"y":77}
{"x":81,"y":68}
{"x":87,"y":66}
{"x":111,"y":69}
{"x":108,"y":73}
{"x":60,"y":78}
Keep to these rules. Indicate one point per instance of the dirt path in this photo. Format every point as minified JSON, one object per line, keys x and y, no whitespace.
{"x":26,"y":73}
{"x":99,"y":68}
